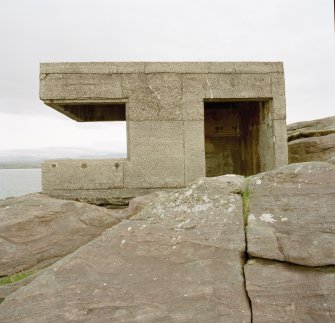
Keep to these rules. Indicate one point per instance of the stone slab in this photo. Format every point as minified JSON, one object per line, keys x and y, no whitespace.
{"x":7,"y":289}
{"x":36,"y":230}
{"x":178,"y":260}
{"x":281,"y":292}
{"x":291,"y":214}
{"x":113,"y":197}
{"x":312,"y":149}
{"x":331,"y":160}
{"x":312,"y":128}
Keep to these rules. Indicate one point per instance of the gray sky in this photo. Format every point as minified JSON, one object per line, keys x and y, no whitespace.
{"x":298,"y":32}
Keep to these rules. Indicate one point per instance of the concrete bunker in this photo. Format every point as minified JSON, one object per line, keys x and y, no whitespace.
{"x":185,"y":120}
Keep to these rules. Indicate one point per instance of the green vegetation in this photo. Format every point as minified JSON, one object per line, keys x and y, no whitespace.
{"x":15,"y":277}
{"x":245,"y":199}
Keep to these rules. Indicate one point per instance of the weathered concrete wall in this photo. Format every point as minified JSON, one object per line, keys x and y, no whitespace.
{"x":84,"y":174}
{"x":165,"y":117}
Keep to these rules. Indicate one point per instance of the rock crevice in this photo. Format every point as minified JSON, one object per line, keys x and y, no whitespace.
{"x":224,"y":249}
{"x":290,"y":274}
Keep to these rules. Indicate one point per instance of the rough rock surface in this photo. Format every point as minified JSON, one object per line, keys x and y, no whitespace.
{"x":331,"y":160}
{"x":8,"y":289}
{"x":178,"y":256}
{"x":281,"y":292}
{"x":311,"y":140}
{"x":36,"y":230}
{"x":135,"y":206}
{"x":312,"y":149}
{"x":139,"y":203}
{"x":313,"y":128}
{"x":179,"y":260}
{"x":292,"y":214}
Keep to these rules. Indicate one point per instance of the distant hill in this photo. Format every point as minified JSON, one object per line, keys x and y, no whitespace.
{"x":20,"y":165}
{"x":32,"y":158}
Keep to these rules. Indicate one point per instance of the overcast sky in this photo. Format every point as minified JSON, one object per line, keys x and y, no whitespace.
{"x":298,"y":32}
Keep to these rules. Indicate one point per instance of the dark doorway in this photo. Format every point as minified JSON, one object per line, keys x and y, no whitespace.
{"x":232,"y":132}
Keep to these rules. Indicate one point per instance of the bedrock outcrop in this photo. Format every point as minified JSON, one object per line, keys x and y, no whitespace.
{"x":36,"y":230}
{"x":180,"y":256}
{"x":292,"y":214}
{"x":311,"y":140}
{"x":291,"y":220}
{"x":180,"y":259}
{"x":282,"y":292}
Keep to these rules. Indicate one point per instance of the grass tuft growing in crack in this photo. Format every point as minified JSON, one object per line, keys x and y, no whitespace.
{"x":245,"y":199}
{"x":15,"y":277}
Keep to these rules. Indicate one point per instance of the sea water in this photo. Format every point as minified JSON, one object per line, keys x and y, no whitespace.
{"x":16,"y":182}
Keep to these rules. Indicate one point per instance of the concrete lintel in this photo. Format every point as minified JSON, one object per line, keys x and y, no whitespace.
{"x":162,"y":67}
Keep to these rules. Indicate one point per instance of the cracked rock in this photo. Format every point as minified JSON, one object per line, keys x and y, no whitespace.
{"x":311,"y":140}
{"x":312,"y":148}
{"x":282,"y":292}
{"x":292,"y":214}
{"x":36,"y":230}
{"x":178,"y":260}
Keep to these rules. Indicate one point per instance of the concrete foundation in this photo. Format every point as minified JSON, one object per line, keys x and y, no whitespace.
{"x":184,"y":121}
